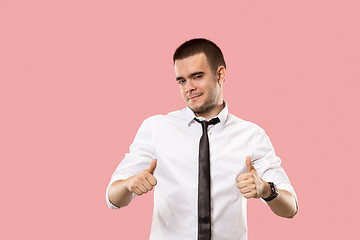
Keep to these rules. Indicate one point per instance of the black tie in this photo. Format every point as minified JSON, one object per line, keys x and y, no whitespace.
{"x":204,"y":208}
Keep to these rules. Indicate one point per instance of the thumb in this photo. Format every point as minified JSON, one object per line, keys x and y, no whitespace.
{"x":249,"y":164}
{"x":152,"y":166}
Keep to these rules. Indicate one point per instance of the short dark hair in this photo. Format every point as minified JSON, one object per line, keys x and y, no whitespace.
{"x":201,"y":45}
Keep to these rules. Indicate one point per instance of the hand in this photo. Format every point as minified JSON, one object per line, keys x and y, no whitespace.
{"x":142,"y":182}
{"x":250,"y":183}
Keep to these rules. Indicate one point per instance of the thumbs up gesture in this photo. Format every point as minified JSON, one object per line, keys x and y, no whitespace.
{"x":142,"y":182}
{"x":250,"y":183}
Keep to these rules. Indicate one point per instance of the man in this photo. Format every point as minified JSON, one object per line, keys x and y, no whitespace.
{"x":204,"y":162}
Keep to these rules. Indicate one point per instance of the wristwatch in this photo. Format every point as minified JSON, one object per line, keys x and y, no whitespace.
{"x":274,"y":192}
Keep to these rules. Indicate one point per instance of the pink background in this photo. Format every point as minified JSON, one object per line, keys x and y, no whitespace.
{"x":78,"y":77}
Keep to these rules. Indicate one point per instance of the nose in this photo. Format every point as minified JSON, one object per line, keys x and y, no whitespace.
{"x":189,"y":86}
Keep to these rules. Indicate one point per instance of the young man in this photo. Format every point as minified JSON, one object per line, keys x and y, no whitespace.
{"x":204,"y":161}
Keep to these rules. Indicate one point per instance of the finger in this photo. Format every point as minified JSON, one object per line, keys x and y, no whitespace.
{"x":249,"y":164}
{"x":137,"y":191}
{"x":147,"y":185}
{"x":249,"y":195}
{"x":245,"y":183}
{"x":152,"y":167}
{"x":151,"y":179}
{"x":244,"y":176}
{"x":250,"y":192}
{"x":142,"y":188}
{"x":246,"y":190}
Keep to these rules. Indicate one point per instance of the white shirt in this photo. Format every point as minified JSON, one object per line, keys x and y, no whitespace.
{"x":173,"y":140}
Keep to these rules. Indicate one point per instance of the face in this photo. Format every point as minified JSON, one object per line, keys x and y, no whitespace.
{"x":200,"y":88}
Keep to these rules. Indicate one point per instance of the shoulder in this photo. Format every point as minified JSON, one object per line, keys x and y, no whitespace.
{"x":234,"y":121}
{"x":177,"y":115}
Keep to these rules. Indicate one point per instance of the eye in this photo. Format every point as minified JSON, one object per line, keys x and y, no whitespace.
{"x":198,"y":77}
{"x":181,"y":81}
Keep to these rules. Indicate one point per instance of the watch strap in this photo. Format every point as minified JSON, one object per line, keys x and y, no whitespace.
{"x":274,"y":192}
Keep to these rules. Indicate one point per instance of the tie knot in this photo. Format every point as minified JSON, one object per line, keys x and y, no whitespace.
{"x":207,"y":123}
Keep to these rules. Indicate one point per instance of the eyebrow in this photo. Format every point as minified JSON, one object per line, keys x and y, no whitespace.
{"x":191,"y":75}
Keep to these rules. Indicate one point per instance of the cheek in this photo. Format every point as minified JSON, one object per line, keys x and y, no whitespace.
{"x":183,"y":92}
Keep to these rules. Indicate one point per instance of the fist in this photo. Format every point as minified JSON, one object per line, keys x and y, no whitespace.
{"x":250,"y":183}
{"x":142,"y":182}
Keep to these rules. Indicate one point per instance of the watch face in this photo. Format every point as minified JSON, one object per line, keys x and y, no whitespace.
{"x":274,"y":188}
{"x":274,"y":192}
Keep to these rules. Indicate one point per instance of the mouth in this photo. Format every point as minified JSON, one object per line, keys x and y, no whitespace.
{"x":194,"y":97}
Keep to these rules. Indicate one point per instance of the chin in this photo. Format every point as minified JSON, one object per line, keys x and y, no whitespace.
{"x":193,"y":105}
{"x":197,"y":109}
{"x":193,"y":108}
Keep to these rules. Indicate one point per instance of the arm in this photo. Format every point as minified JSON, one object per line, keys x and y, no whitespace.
{"x":119,"y":195}
{"x":133,"y":176}
{"x":121,"y":191}
{"x":284,"y":205}
{"x":252,"y":186}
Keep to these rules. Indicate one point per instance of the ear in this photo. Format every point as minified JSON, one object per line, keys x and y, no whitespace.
{"x":220,"y":74}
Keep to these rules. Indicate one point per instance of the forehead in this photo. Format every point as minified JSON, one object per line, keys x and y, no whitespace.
{"x":191,"y":64}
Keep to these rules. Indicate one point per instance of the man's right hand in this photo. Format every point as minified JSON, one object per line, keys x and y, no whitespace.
{"x":142,"y":182}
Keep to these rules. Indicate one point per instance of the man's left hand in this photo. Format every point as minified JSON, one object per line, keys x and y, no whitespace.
{"x":251,"y":185}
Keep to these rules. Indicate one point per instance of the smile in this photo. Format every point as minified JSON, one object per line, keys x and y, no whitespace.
{"x":194,"y":97}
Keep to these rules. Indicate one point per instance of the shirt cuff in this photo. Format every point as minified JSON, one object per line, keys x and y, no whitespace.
{"x":287,"y":187}
{"x":116,"y":177}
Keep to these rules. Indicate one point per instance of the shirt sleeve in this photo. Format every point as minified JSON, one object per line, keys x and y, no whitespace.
{"x":268,"y":165}
{"x":139,"y":157}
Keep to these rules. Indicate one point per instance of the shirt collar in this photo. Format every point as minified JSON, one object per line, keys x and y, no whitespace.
{"x":190,"y":115}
